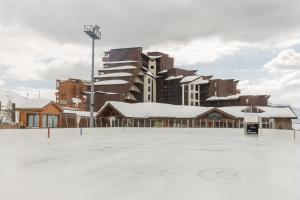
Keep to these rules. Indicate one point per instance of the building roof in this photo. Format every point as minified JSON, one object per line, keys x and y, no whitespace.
{"x":189,"y":78}
{"x":121,"y":61}
{"x":227,"y":98}
{"x":160,"y":110}
{"x":117,"y":74}
{"x":149,"y":110}
{"x":154,"y":57}
{"x":111,"y":82}
{"x":34,"y":104}
{"x":268,"y":111}
{"x":174,"y":77}
{"x":124,"y":67}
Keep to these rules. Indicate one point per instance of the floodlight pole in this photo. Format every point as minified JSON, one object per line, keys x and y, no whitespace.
{"x":94,"y":33}
{"x":92,"y":99}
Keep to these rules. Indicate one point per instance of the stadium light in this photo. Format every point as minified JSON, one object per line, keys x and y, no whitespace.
{"x":93,"y":32}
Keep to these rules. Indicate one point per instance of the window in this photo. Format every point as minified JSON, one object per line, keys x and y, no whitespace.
{"x":149,"y":97}
{"x":192,"y":86}
{"x":196,"y":104}
{"x":247,"y":101}
{"x":33,"y":120}
{"x":149,"y":88}
{"x":44,"y":121}
{"x":192,"y":95}
{"x":216,"y":94}
{"x":192,"y":103}
{"x":215,"y":84}
{"x":186,"y":87}
{"x":152,"y":60}
{"x":197,"y":96}
{"x":152,"y":67}
{"x":50,"y":121}
{"x":214,"y":116}
{"x":149,"y":80}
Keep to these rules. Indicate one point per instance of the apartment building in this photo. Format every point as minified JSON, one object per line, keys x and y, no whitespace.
{"x":72,"y":93}
{"x":131,"y":75}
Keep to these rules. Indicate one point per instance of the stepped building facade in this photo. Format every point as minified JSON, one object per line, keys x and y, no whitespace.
{"x":132,"y":76}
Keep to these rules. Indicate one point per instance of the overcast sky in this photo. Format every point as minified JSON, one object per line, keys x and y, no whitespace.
{"x":255,"y":41}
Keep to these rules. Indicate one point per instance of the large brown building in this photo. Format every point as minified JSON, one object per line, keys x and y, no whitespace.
{"x":130,"y":75}
{"x":72,"y":93}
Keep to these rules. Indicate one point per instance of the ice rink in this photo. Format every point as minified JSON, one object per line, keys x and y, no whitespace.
{"x":149,"y":164}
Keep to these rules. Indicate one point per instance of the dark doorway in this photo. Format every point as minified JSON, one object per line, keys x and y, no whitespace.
{"x":252,"y":128}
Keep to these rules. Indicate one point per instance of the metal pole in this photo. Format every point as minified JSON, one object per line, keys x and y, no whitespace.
{"x":92,"y":87}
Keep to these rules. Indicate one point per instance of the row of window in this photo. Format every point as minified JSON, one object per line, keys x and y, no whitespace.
{"x":48,"y":121}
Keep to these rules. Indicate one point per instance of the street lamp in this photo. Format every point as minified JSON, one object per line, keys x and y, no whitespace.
{"x":95,"y":34}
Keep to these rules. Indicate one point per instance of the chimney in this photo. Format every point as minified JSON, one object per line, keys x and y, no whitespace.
{"x":13,"y":108}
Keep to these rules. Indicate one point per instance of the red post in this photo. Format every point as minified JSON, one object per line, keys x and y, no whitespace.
{"x":48,"y":132}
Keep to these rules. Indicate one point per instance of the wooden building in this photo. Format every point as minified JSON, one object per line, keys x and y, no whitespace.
{"x":166,"y":115}
{"x":38,"y":113}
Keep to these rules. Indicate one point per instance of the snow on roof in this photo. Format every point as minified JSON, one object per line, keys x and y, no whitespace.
{"x":111,"y":82}
{"x":33,"y":103}
{"x":269,"y":112}
{"x":78,"y":113}
{"x":121,"y":61}
{"x":215,"y":98}
{"x":174,"y":77}
{"x":103,"y":92}
{"x":163,"y":71}
{"x":76,"y":100}
{"x":117,"y":74}
{"x":119,"y":68}
{"x":150,"y":74}
{"x":276,"y":112}
{"x":148,"y":110}
{"x":189,"y":78}
{"x":154,"y":57}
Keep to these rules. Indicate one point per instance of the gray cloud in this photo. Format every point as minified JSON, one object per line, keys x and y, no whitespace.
{"x":152,"y":22}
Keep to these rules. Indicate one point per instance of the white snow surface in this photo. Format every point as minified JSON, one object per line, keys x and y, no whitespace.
{"x":174,"y":77}
{"x":154,"y":57}
{"x":148,"y":110}
{"x":269,"y":112}
{"x":215,"y":98}
{"x":189,"y":78}
{"x":33,"y":103}
{"x":111,"y":82}
{"x":147,"y":164}
{"x":117,"y":74}
{"x":76,"y":100}
{"x":124,"y":67}
{"x":121,"y":62}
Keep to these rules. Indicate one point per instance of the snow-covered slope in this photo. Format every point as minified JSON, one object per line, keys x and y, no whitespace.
{"x":7,"y":96}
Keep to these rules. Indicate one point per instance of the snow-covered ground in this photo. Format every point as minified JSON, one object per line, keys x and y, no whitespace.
{"x":142,"y":164}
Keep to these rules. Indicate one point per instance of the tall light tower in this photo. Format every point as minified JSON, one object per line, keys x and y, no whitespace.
{"x":94,"y":32}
